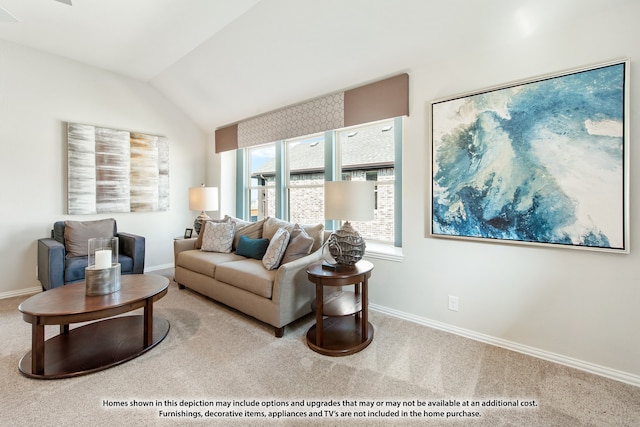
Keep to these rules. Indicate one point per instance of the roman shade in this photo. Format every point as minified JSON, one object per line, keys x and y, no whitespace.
{"x":376,"y":101}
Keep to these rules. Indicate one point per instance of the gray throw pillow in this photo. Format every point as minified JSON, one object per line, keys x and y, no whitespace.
{"x":300,"y":244}
{"x":78,"y":233}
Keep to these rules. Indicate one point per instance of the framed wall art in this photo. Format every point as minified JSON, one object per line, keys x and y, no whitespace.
{"x":542,"y":161}
{"x":112,"y":171}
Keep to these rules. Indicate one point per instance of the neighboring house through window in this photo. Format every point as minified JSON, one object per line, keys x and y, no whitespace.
{"x":286,"y":178}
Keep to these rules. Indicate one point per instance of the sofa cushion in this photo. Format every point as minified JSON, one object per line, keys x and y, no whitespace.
{"x":78,"y":233}
{"x":218,"y":236}
{"x":252,"y":248}
{"x":204,"y":262}
{"x":74,"y":267}
{"x":252,"y":230}
{"x":276,"y":249}
{"x":248,"y":274}
{"x":300,"y":244}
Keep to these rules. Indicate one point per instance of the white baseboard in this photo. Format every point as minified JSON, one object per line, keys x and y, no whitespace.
{"x":158,"y":267}
{"x":20,"y":292}
{"x":592,"y":368}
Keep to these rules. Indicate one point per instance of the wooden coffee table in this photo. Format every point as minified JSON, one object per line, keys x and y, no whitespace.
{"x":98,"y":345}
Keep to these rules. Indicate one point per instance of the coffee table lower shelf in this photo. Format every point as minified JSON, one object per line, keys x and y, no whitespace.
{"x":95,"y":346}
{"x":342,"y":336}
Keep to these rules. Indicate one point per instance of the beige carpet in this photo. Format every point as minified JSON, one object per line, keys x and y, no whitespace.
{"x":216,"y":356}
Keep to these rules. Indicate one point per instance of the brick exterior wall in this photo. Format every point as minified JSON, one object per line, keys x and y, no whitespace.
{"x":306,"y":203}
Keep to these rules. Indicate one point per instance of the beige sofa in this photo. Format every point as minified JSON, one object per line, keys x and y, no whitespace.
{"x":276,"y":297}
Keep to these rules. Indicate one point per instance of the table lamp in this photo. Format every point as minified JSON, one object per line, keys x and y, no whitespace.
{"x":348,"y":201}
{"x":202,"y":199}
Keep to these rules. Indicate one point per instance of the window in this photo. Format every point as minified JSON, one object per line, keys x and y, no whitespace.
{"x":286,"y":178}
{"x":304,"y":162}
{"x":367,"y":153}
{"x":262,"y":183}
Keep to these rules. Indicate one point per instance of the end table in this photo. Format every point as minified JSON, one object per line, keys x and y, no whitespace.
{"x":346,"y":330}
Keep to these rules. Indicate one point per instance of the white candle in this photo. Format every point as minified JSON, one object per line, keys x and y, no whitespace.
{"x":103,"y":259}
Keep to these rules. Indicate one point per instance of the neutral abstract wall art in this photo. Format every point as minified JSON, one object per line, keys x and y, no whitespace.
{"x":112,"y":171}
{"x":542,"y":161}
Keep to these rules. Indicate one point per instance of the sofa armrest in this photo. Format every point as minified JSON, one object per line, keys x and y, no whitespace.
{"x":292,"y":287}
{"x":181,"y":245}
{"x":133,"y":246}
{"x":51,"y":255}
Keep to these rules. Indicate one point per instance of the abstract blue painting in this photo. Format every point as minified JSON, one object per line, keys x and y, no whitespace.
{"x":542,"y":161}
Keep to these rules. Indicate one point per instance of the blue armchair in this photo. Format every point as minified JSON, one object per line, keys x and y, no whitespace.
{"x":58,"y":266}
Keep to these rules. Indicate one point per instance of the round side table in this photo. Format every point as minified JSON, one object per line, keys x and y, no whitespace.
{"x":346,"y":328}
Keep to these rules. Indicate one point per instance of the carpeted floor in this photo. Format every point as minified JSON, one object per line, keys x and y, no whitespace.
{"x":216,"y":361}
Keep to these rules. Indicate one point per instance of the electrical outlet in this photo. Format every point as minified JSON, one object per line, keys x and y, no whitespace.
{"x":453,"y":303}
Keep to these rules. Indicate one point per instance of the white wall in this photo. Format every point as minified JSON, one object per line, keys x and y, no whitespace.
{"x":576,"y":307}
{"x":580,"y":306}
{"x":38,"y":94}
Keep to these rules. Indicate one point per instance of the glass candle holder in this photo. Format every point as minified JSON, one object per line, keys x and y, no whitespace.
{"x":102,"y":275}
{"x":103,"y":252}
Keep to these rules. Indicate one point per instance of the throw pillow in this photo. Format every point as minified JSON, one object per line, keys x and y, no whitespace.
{"x":252,"y":248}
{"x":249,"y":229}
{"x":239,"y":222}
{"x":300,"y":244}
{"x":199,"y":239}
{"x":271,"y":225}
{"x":317,"y":233}
{"x":218,"y":236}
{"x":78,"y":233}
{"x":276,"y":249}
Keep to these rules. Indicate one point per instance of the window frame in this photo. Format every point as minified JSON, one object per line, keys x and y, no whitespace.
{"x":332,"y":172}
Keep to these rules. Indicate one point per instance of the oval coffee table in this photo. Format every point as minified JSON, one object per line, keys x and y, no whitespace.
{"x":98,"y":345}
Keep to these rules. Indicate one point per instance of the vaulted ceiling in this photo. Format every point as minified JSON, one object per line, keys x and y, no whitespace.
{"x":225,"y":60}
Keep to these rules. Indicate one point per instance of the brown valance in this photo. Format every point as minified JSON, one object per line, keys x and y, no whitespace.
{"x":376,"y":101}
{"x":227,"y":138}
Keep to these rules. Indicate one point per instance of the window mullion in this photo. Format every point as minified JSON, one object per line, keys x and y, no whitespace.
{"x":280,"y":181}
{"x":397,"y":189}
{"x":331,"y":167}
{"x":242,"y":188}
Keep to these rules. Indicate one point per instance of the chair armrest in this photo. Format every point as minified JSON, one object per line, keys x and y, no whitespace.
{"x":133,"y":246}
{"x":181,"y":245}
{"x":51,"y":255}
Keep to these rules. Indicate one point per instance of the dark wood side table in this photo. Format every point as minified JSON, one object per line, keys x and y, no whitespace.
{"x":346,"y":330}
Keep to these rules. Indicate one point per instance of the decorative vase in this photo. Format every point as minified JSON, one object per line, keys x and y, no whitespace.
{"x":346,"y":245}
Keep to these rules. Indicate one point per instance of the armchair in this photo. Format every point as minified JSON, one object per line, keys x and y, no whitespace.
{"x":62,"y":257}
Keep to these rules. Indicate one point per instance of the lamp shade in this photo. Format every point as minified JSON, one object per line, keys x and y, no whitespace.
{"x":349,"y":200}
{"x":203,"y":198}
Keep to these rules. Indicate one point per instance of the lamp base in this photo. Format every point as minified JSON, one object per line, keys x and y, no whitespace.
{"x":200,"y":220}
{"x":346,"y":245}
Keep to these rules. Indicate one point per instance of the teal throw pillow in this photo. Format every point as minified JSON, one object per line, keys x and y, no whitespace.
{"x":252,"y":248}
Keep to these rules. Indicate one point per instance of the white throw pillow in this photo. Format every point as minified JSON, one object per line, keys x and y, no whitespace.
{"x":218,"y":236}
{"x":276,"y":249}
